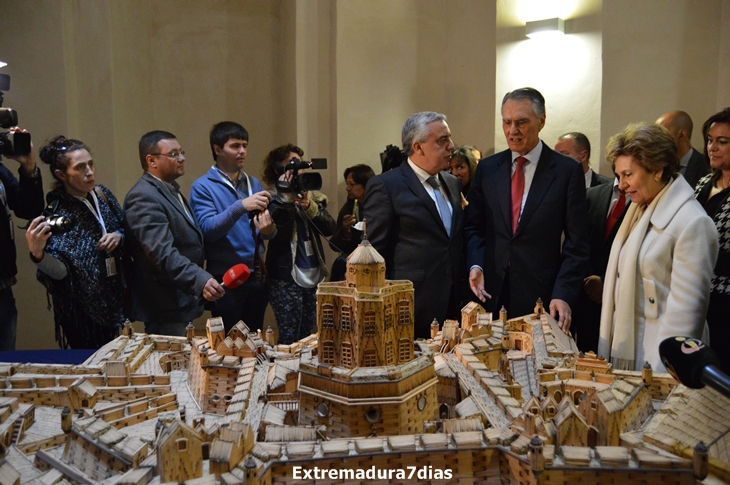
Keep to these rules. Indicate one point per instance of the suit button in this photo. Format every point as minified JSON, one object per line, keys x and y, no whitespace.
{"x":651,"y":300}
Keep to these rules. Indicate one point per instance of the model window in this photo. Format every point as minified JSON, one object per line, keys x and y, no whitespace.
{"x":328,"y":352}
{"x":345,"y":319}
{"x":347,"y":355}
{"x":404,"y":350}
{"x":369,"y":325}
{"x":404,"y":313}
{"x":388,"y":316}
{"x":389,"y":353}
{"x":369,"y":359}
{"x":328,"y":316}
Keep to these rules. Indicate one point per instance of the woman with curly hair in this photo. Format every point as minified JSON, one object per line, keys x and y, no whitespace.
{"x":295,"y":258}
{"x":79,"y":261}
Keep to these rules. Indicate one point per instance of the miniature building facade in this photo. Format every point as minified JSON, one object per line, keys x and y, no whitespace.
{"x":365,"y":321}
{"x":365,"y":379}
{"x":217,"y":361}
{"x":179,"y":453}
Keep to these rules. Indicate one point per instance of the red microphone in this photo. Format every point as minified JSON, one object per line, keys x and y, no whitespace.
{"x":236,"y":276}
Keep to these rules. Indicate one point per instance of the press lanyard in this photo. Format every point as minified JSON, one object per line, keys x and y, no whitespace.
{"x":227,"y":180}
{"x":97,"y":212}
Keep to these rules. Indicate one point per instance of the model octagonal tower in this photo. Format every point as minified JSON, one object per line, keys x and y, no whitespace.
{"x":367,"y":377}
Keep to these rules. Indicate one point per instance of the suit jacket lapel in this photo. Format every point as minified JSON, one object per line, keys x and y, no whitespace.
{"x":413,"y":183}
{"x":541,"y":182}
{"x":501,"y":184}
{"x":165,"y":192}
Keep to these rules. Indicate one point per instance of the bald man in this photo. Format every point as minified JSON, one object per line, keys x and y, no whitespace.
{"x":692,"y":163}
{"x":577,"y":146}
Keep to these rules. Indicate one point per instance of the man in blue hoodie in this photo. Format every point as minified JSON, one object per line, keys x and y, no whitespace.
{"x":223,"y":200}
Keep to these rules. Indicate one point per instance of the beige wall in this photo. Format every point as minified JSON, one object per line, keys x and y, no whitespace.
{"x":398,"y":58}
{"x":660,"y":56}
{"x":339,"y":78}
{"x":567,"y":69}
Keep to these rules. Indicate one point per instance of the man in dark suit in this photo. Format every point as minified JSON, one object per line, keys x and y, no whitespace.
{"x":414,"y":220}
{"x":521,"y":203}
{"x":692,"y":164}
{"x":605,"y":213}
{"x":164,"y":242}
{"x":577,"y":146}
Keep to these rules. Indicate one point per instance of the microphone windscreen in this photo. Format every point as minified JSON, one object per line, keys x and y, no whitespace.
{"x":685,"y":358}
{"x":236,"y":276}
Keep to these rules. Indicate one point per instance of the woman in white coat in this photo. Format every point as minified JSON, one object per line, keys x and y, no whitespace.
{"x":657,"y":282}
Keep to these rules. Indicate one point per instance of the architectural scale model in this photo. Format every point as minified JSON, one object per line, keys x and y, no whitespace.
{"x":509,"y":401}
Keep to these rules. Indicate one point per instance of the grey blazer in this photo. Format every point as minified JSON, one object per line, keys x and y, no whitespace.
{"x":166,"y":251}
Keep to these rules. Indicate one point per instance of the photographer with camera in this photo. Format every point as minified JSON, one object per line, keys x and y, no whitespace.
{"x":24,"y":196}
{"x":295,"y":257}
{"x":224,"y":201}
{"x":77,"y":246}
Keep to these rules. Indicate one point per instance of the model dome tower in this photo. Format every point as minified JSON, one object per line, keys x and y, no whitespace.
{"x":366,"y":377}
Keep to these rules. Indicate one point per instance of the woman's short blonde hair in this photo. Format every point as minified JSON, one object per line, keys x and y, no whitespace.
{"x":467,"y":156}
{"x":650,"y":145}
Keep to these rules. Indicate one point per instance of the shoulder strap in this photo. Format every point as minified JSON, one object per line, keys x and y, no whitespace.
{"x":101,"y":194}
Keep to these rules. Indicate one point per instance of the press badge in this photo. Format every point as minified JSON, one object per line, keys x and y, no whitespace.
{"x":111,"y":266}
{"x":308,"y":247}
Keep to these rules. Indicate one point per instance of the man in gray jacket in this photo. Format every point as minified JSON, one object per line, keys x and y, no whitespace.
{"x":165,"y":243}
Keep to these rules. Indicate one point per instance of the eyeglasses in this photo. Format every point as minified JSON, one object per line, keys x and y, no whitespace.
{"x":173,"y":155}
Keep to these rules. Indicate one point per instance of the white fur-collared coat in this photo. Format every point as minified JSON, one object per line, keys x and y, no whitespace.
{"x":672,"y":287}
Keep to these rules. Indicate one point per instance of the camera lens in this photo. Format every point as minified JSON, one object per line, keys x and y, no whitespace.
{"x":59,"y":224}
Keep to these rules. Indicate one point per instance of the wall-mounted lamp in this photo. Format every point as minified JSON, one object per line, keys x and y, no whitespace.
{"x":544,"y":28}
{"x":3,"y":64}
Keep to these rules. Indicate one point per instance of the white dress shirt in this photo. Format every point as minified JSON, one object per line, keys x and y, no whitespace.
{"x":423,"y":176}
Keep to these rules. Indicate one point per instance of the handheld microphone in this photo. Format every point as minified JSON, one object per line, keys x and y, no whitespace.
{"x":236,"y":276}
{"x":694,"y":364}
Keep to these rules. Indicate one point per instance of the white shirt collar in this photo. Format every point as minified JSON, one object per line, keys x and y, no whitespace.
{"x":533,"y":155}
{"x":420,"y":173}
{"x":589,"y":177}
{"x":684,"y":161}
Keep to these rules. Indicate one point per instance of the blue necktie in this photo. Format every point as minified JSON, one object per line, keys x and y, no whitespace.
{"x":443,"y":206}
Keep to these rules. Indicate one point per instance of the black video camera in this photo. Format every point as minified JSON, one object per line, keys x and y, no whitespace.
{"x":302,"y":182}
{"x":11,"y":143}
{"x":392,"y":157}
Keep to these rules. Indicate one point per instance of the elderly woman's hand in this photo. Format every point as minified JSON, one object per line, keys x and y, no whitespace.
{"x":593,"y":286}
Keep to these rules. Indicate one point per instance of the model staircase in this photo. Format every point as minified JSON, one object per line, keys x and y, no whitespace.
{"x":17,"y":429}
{"x":24,"y":417}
